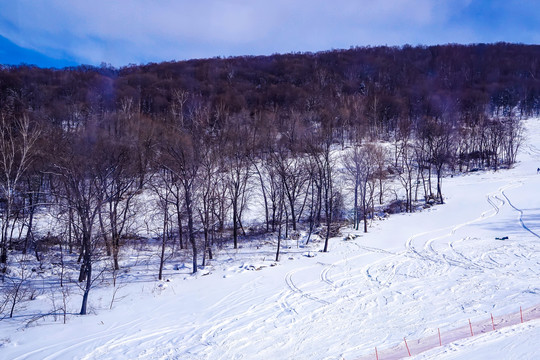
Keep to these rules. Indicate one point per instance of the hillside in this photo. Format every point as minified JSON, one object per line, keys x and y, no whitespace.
{"x":412,"y":274}
{"x":307,"y":205}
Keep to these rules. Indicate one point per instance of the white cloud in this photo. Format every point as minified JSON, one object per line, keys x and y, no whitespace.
{"x":122,"y":32}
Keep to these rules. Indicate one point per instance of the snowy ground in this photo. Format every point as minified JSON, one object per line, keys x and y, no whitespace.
{"x":411,"y":275}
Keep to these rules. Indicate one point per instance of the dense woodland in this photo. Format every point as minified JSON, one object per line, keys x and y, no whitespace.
{"x":314,"y":138}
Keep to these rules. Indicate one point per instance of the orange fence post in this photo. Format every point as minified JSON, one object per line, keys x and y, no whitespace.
{"x":470,"y":325}
{"x":407,"y":346}
{"x":521,"y":313}
{"x":440,"y":342}
{"x":492,"y":322}
{"x":376,"y":353}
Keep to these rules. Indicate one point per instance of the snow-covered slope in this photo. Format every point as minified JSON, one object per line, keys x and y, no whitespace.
{"x":411,"y":276}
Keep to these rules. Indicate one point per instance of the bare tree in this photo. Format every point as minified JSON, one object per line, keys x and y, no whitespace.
{"x":439,"y":144}
{"x":181,"y":158}
{"x":162,"y":185}
{"x":362,"y":164}
{"x":78,"y":170}
{"x":236,"y":169}
{"x":34,"y":194}
{"x":319,"y":150}
{"x":291,"y":168}
{"x":513,"y":139}
{"x":404,"y":161}
{"x":208,"y":185}
{"x":120,"y":184}
{"x":17,"y":139}
{"x":280,"y":209}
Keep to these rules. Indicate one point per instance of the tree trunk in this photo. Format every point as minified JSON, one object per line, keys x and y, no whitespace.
{"x":104,"y":235}
{"x":280,"y":220}
{"x":328,"y":200}
{"x":293,"y":212}
{"x":87,"y":264}
{"x":179,"y":220}
{"x":235,"y":224}
{"x":191,"y":230}
{"x":439,"y":186}
{"x":355,"y":210}
{"x":364,"y":212}
{"x":163,"y":240}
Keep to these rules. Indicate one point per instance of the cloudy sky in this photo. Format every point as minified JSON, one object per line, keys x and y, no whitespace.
{"x":121,"y":32}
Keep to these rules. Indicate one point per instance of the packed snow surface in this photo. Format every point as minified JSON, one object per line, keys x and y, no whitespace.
{"x":410,"y":276}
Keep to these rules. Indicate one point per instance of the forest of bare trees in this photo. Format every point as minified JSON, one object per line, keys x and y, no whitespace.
{"x":313,"y":140}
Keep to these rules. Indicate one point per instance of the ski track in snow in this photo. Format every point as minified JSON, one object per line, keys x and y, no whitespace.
{"x":520,"y":216}
{"x":379,"y":275}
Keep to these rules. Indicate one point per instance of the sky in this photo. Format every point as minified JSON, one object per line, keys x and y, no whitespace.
{"x":58,"y":33}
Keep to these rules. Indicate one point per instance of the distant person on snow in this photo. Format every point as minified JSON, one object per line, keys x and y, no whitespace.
{"x":538,"y":171}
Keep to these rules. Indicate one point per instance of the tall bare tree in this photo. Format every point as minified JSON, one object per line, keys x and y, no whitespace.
{"x":362,"y":164}
{"x":17,"y":139}
{"x":120,"y":184}
{"x":78,"y":169}
{"x":236,"y":145}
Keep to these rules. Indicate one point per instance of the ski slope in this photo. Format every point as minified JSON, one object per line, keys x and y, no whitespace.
{"x":411,"y":275}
